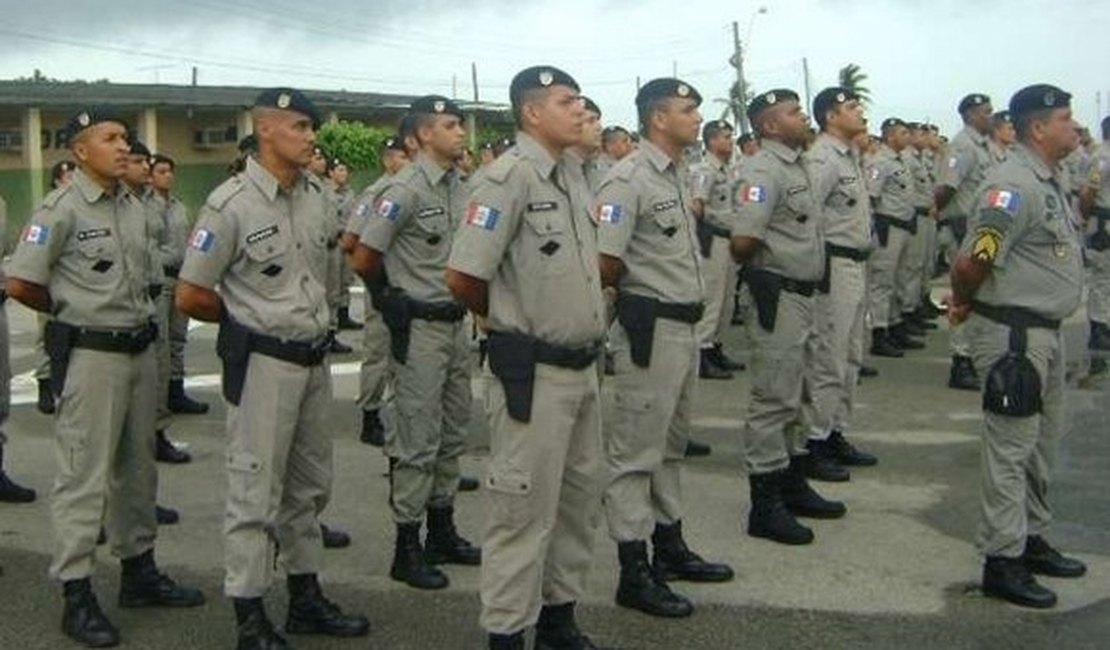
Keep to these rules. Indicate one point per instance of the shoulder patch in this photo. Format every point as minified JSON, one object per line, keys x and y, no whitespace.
{"x":1006,"y":200}
{"x":222,"y":194}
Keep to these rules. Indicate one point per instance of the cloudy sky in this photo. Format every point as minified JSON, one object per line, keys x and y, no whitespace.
{"x":921,"y":57}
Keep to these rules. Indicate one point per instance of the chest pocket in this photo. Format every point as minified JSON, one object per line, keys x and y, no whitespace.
{"x":549,"y":246}
{"x":846,"y":194}
{"x":799,"y":210}
{"x":98,"y":255}
{"x":267,"y":254}
{"x":667,"y":223}
{"x":432,"y":226}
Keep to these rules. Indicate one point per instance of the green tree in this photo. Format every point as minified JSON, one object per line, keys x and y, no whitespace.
{"x":354,"y":142}
{"x":853,"y":78}
{"x":735,"y":105}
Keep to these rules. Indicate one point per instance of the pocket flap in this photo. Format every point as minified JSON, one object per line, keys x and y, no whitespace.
{"x":242,"y":461}
{"x":510,"y":482}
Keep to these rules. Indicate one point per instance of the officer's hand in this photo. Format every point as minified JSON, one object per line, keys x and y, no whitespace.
{"x":482,"y":322}
{"x":934,"y":214}
{"x":697,"y":207}
{"x":958,"y":311}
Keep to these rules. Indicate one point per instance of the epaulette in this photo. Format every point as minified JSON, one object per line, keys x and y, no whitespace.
{"x":222,"y":194}
{"x":501,"y":168}
{"x":626,"y":166}
{"x":55,"y":195}
{"x":312,"y":182}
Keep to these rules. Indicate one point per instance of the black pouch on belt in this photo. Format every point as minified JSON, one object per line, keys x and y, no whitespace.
{"x":233,"y":346}
{"x":882,"y":230}
{"x":1013,"y":386}
{"x":705,"y":238}
{"x":512,"y":359}
{"x":765,"y":288}
{"x":57,"y":341}
{"x":637,"y":316}
{"x":398,"y":319}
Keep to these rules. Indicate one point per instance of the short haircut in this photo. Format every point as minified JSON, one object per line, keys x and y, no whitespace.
{"x":162,"y":159}
{"x":1023,"y":122}
{"x":649,"y":108}
{"x":527,"y":96}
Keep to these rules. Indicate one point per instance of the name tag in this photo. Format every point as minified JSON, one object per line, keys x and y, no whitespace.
{"x":260,"y":235}
{"x":665,"y":205}
{"x":430,"y":212}
{"x":543,"y":206}
{"x":797,"y":189}
{"x":93,"y":233}
{"x":847,"y":180}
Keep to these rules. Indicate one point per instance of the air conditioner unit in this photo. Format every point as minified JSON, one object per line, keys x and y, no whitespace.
{"x":11,"y":141}
{"x":213,"y":137}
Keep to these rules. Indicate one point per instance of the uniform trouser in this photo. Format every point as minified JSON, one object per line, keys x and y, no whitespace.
{"x":279,"y":468}
{"x":1017,"y":453}
{"x":334,"y":282}
{"x":542,"y":490}
{"x":104,"y":446}
{"x":5,"y":372}
{"x":889,"y":273}
{"x":770,"y":433}
{"x":178,"y":333}
{"x":947,"y":243}
{"x":928,"y":226}
{"x":42,"y":362}
{"x":836,"y":351}
{"x":346,"y":279}
{"x":375,"y":358}
{"x":162,"y":353}
{"x":716,"y":273}
{"x":647,"y":426}
{"x":1098,"y":286}
{"x":428,"y":417}
{"x":910,"y":291}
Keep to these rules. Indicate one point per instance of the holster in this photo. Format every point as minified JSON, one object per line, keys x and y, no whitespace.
{"x":398,"y":319}
{"x":765,"y":288}
{"x":824,"y":285}
{"x":233,"y":346}
{"x":1100,"y":240}
{"x":57,"y":341}
{"x":512,"y":359}
{"x":637,"y":316}
{"x":882,"y":231}
{"x":959,"y":228}
{"x":705,"y":238}
{"x":1013,"y":386}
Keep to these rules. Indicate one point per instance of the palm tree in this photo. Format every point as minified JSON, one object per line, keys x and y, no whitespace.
{"x":852,"y":77}
{"x":735,"y":105}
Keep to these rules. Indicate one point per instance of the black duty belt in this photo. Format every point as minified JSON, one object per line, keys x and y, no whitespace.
{"x":171,"y":271}
{"x":450,"y":312}
{"x":799,"y":287}
{"x":717,"y":231}
{"x":909,"y":226}
{"x":685,"y":312}
{"x":843,"y":251}
{"x":921,"y":212}
{"x":1014,"y":316}
{"x":564,"y":357}
{"x":302,"y":353}
{"x":132,"y":341}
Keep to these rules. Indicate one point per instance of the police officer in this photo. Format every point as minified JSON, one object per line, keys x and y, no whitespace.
{"x":841,"y":199}
{"x":711,"y":189}
{"x":318,"y":166}
{"x":914,"y":312}
{"x":261,"y":241}
{"x":10,"y":491}
{"x":525,"y":261}
{"x":402,"y":255}
{"x":965,"y":166}
{"x":1002,"y":136}
{"x":777,"y":235}
{"x":339,"y":177}
{"x":589,"y":150}
{"x":60,"y":175}
{"x":177,"y":225}
{"x":649,"y":254}
{"x":1018,"y":276}
{"x":891,"y":187}
{"x":375,"y":337}
{"x":1096,"y":203}
{"x":84,"y":257}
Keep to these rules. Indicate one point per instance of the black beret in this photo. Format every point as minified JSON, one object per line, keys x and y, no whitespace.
{"x":90,"y":116}
{"x":487,"y":146}
{"x":1037,"y":98}
{"x":503,"y":145}
{"x":249,"y":144}
{"x":335,"y":162}
{"x":406,"y":127}
{"x":394,"y":143}
{"x":538,"y":76}
{"x":138,"y":148}
{"x":828,"y":99}
{"x":591,"y":106}
{"x":664,"y":88}
{"x":713,"y":127}
{"x":1002,"y":116}
{"x":916,"y":126}
{"x":319,"y":151}
{"x":891,"y":122}
{"x":766,"y":100}
{"x":1105,"y":124}
{"x":436,"y":105}
{"x":745,"y":138}
{"x":288,"y":99}
{"x":971,"y":101}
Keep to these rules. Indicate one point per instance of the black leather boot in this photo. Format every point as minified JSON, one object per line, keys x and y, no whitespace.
{"x":1009,"y":579}
{"x":373,"y":431}
{"x":255,"y":630}
{"x":695,"y":449}
{"x":468,"y":484}
{"x":673,"y":559}
{"x":82,"y":619}
{"x":803,"y":500}
{"x":717,"y":355}
{"x":821,"y":464}
{"x":1040,"y":558}
{"x":1100,"y":336}
{"x":709,"y":370}
{"x":143,"y":585}
{"x":901,"y":336}
{"x":883,"y":346}
{"x":846,"y":453}
{"x":444,"y":545}
{"x":769,"y":517}
{"x":962,"y":375}
{"x":10,"y":491}
{"x":182,"y":404}
{"x":311,"y":613}
{"x":557,"y":630}
{"x":166,"y":516}
{"x":334,"y":538}
{"x":409,"y":563}
{"x":642,"y":589}
{"x":166,"y":452}
{"x":46,"y":398}
{"x":344,"y":320}
{"x":513,"y":641}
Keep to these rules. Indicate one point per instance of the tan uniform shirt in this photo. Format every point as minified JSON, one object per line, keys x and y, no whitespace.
{"x":837,"y":183}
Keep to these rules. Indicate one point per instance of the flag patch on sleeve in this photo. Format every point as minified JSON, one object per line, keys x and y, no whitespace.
{"x":1004,"y":200}
{"x":388,"y":209}
{"x":36,"y":234}
{"x":753,"y":194}
{"x":202,"y":240}
{"x":482,"y":216}
{"x":609,"y":213}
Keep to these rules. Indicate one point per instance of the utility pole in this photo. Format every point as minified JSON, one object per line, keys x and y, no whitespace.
{"x":805,"y":81}
{"x":737,"y":62}
{"x":471,"y":119}
{"x":454,"y":86}
{"x":674,"y":68}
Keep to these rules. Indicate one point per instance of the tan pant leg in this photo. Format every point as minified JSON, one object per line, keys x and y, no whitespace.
{"x":178,"y":333}
{"x":133,"y":482}
{"x":42,"y":362}
{"x":539,"y":498}
{"x":1017,"y":453}
{"x":5,"y":371}
{"x":261,"y":432}
{"x":346,"y":279}
{"x":375,"y":358}
{"x":837,"y":349}
{"x":647,"y":415}
{"x":778,"y":364}
{"x":457,"y":399}
{"x":885,"y":261}
{"x":728,"y":304}
{"x":163,"y":365}
{"x":1098,"y":284}
{"x":94,"y":410}
{"x":907,"y":277}
{"x":714,"y":274}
